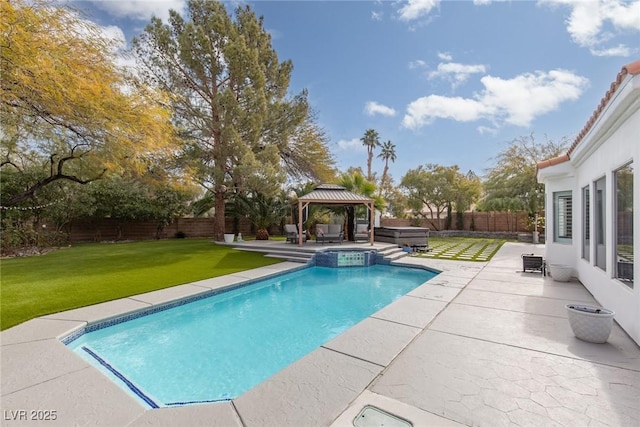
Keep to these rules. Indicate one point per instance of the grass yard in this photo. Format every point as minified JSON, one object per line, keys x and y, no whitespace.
{"x":91,"y":273}
{"x":463,"y":248}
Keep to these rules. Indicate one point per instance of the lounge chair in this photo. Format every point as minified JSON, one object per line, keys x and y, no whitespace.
{"x":329,"y":233}
{"x":361,"y":233}
{"x":291,"y":231}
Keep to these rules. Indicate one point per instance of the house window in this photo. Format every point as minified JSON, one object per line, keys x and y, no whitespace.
{"x":562,"y":214}
{"x":624,"y":224}
{"x":586,"y":224}
{"x":599,"y":219}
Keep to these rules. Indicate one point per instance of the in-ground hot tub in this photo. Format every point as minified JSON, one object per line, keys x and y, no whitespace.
{"x":412,"y":236}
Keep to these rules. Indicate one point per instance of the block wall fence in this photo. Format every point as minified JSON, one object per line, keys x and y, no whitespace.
{"x":109,"y":229}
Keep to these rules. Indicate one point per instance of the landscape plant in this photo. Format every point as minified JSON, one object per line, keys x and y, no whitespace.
{"x":261,"y":210}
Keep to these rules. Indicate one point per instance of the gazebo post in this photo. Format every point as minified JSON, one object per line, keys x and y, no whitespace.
{"x":371,"y":221}
{"x":300,"y":221}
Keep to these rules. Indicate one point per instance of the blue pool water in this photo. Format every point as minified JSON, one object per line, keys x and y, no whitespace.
{"x":217,"y":348}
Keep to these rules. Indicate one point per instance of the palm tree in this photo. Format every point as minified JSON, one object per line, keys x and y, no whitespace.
{"x":356,"y":183}
{"x":388,"y":152}
{"x":371,"y":140}
{"x":261,"y":210}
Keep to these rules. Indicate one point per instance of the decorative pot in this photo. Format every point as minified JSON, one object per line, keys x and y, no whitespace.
{"x":560,"y":272}
{"x":228,"y":237}
{"x":591,"y":324}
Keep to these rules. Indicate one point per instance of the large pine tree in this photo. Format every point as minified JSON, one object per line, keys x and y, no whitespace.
{"x":229,"y":92}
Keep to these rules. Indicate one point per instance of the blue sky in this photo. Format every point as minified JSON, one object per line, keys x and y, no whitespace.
{"x":448,"y":82}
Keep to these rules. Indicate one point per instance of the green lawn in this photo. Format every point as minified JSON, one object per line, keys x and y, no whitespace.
{"x":463,"y":248}
{"x":87,"y":274}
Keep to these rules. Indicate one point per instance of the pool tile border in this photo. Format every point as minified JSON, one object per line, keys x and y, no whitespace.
{"x":121,"y":318}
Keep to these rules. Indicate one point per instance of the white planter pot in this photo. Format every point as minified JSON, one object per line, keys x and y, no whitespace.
{"x":560,"y":272}
{"x":228,"y":238}
{"x":591,"y":324}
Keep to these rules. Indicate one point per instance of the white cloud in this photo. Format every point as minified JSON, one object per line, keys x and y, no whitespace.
{"x":418,"y":63}
{"x":123,"y":59}
{"x":116,"y":34}
{"x":620,"y":50}
{"x":587,"y":21}
{"x":517,"y":101}
{"x":351,"y":145}
{"x":445,"y":56}
{"x":424,"y":110}
{"x":415,"y":9}
{"x":373,"y":108}
{"x":140,"y":9}
{"x":455,"y":72}
{"x":487,"y":130}
{"x":486,"y":2}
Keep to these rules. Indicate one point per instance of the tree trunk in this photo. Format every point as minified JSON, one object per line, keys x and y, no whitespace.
{"x":351,"y":218}
{"x":219,"y":226}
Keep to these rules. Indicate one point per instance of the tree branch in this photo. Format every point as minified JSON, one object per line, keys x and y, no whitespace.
{"x":42,"y":183}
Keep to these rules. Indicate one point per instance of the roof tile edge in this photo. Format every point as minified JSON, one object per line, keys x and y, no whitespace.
{"x":629,"y":69}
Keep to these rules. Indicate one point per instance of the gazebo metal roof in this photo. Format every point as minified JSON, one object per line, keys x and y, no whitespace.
{"x":335,"y":194}
{"x":332,"y":194}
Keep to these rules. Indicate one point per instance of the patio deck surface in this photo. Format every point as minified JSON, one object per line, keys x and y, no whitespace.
{"x":479,"y":344}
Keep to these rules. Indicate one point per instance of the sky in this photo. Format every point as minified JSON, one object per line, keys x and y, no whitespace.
{"x":447,"y":82}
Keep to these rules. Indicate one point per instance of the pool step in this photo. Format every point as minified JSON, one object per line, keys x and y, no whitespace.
{"x":394,"y":254}
{"x":280,"y":253}
{"x":304,"y":254}
{"x":290,"y":257}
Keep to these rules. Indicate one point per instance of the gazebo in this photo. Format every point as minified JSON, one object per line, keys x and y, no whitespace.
{"x":331,"y":194}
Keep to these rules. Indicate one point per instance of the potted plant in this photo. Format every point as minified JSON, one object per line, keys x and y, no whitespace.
{"x":591,"y":324}
{"x":560,"y":272}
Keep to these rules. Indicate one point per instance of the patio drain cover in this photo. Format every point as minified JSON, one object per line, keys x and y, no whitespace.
{"x":370,"y":416}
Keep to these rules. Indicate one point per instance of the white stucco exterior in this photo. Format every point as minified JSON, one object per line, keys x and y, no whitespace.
{"x":611,"y":141}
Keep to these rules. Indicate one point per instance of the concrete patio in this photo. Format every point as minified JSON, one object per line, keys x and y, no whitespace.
{"x":479,"y":344}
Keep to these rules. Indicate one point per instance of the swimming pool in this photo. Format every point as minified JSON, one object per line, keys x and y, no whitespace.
{"x":216,"y":348}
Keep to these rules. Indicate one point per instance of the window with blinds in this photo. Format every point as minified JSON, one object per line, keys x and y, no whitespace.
{"x":563,"y":216}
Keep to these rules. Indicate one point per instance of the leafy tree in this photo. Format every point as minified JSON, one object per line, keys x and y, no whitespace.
{"x":387,"y":153}
{"x":511,"y":185}
{"x":396,"y":201}
{"x":229,"y":94}
{"x":371,"y":140}
{"x":439,"y":188}
{"x":468,"y":190}
{"x":67,"y":112}
{"x":127,"y":199}
{"x":305,"y":155}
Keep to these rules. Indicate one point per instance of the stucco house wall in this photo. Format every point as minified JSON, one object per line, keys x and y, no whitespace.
{"x":609,"y":140}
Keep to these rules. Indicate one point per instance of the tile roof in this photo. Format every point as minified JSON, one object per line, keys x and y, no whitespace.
{"x":629,"y":69}
{"x":330,"y":193}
